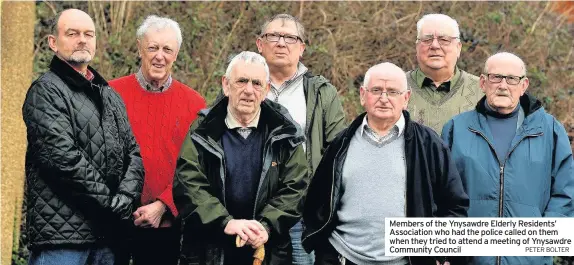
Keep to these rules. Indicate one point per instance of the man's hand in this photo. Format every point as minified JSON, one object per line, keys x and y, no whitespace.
{"x":248,"y":230}
{"x":149,"y":216}
{"x":121,"y":205}
{"x":263,"y":236}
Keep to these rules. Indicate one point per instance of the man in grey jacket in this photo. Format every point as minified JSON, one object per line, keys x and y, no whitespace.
{"x":311,"y":100}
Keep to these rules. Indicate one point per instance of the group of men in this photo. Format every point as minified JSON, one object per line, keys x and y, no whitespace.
{"x":139,"y":169}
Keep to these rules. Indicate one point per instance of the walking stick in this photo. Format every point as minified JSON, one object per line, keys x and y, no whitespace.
{"x":259,"y":254}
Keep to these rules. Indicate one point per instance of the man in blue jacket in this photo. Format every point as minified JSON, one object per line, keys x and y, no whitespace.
{"x":513,"y":157}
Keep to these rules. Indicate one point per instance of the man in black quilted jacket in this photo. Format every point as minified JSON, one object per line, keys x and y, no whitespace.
{"x":83,"y":166}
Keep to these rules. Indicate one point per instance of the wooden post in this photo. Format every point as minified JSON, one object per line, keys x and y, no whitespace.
{"x":18,"y":19}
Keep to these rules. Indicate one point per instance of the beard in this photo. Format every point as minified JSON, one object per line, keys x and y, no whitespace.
{"x":79,"y":58}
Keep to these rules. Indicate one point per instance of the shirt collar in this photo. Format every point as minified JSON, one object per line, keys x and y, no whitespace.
{"x":148,"y":86}
{"x":232,"y":122}
{"x":301,"y":70}
{"x":421,"y":79}
{"x":400,"y":124}
{"x":89,"y":75}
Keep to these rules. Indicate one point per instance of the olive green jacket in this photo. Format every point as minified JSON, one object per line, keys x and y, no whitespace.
{"x":325,"y":116}
{"x":199,"y":189}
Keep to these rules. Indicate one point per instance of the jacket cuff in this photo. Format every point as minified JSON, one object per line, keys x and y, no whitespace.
{"x":267,"y":228}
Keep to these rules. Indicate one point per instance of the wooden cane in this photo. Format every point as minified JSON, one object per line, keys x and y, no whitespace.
{"x":258,"y":255}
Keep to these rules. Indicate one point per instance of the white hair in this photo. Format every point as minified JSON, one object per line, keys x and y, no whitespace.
{"x":507,"y":55}
{"x":248,"y":57}
{"x":158,"y":23}
{"x":387,"y":68}
{"x":440,"y":17}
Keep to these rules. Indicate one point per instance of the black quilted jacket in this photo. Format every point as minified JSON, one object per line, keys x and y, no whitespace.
{"x":81,"y":157}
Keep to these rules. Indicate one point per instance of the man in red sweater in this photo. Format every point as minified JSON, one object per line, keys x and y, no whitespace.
{"x":160,"y":110}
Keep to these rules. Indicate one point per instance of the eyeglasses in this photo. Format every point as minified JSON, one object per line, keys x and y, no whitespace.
{"x":442,"y":40}
{"x":274,"y":37}
{"x":510,"y":79}
{"x":375,"y":91}
{"x":242,"y":82}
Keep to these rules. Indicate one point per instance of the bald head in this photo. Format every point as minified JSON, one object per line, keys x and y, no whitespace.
{"x":387,"y":71}
{"x":66,"y":15}
{"x":505,"y":58}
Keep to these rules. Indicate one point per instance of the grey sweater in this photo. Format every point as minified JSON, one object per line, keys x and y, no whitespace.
{"x":374,"y":178}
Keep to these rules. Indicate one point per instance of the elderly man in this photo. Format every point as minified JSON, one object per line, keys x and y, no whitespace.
{"x":351,"y":193}
{"x":83,"y":167}
{"x":311,"y":100}
{"x":440,"y":89}
{"x":242,"y":171}
{"x":160,"y":110}
{"x":515,"y":159}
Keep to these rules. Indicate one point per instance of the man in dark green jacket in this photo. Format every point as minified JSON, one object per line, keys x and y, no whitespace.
{"x":241,"y":172}
{"x":311,"y":100}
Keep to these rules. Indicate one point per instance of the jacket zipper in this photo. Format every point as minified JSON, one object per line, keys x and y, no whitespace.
{"x":501,"y":198}
{"x":308,"y":125}
{"x":266,"y":163}
{"x":214,"y":150}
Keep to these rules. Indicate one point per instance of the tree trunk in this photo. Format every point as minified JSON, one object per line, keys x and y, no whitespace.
{"x":18,"y":19}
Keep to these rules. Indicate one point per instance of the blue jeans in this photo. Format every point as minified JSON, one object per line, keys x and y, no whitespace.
{"x":72,"y":256}
{"x":300,"y":257}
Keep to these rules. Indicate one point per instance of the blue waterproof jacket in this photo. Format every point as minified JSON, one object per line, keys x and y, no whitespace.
{"x":535,"y":179}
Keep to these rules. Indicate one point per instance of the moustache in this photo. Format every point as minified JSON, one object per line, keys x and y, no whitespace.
{"x":502,"y":94}
{"x":80,"y":50}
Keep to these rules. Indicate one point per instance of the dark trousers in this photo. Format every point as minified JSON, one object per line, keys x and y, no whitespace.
{"x":152,"y":246}
{"x":326,"y":254}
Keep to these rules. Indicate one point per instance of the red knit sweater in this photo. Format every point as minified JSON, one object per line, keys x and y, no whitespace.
{"x":159,"y":121}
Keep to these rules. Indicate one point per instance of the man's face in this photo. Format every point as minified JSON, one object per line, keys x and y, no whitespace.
{"x":76,"y":39}
{"x":246,"y":88}
{"x":502,"y":96}
{"x":385,"y":106}
{"x":438,"y":53}
{"x":158,"y":50}
{"x":280,"y":53}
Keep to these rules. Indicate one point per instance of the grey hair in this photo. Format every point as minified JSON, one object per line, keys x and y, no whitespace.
{"x":283,"y":17}
{"x":155,"y":22}
{"x":248,"y":57}
{"x":441,"y":17}
{"x":388,"y":67}
{"x":508,"y":55}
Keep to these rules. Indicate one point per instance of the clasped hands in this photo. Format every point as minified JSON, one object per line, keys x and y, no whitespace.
{"x":149,"y":216}
{"x":251,"y":232}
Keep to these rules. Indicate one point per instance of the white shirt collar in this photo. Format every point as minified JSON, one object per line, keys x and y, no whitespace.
{"x":232,"y":122}
{"x":400,"y":125}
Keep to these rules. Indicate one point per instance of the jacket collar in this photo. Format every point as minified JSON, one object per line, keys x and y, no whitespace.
{"x":74,"y":79}
{"x":357,"y":122}
{"x":528,"y":103}
{"x":274,"y":118}
{"x":530,"y":126}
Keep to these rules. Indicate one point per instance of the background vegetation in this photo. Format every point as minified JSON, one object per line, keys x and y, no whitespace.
{"x":345,"y":39}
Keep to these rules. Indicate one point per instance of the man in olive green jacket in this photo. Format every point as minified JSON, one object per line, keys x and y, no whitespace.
{"x":241,"y":172}
{"x":311,"y":100}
